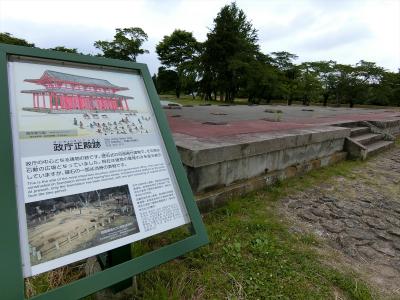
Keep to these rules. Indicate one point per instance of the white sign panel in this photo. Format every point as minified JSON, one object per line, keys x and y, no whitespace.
{"x":91,"y":168}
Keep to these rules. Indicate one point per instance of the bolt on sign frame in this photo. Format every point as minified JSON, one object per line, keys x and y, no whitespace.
{"x":11,"y":276}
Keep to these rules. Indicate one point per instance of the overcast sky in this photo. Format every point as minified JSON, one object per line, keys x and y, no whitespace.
{"x":345,"y":31}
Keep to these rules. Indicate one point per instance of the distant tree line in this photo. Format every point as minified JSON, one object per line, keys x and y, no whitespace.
{"x":229,"y":64}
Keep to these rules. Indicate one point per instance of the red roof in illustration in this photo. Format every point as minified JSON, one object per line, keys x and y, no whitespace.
{"x":54,"y":76}
{"x":63,"y":91}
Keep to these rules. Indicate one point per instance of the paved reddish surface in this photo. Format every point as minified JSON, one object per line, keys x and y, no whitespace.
{"x":198,"y":129}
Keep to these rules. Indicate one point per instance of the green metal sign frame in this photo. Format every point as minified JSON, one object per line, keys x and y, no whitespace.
{"x":11,"y":277}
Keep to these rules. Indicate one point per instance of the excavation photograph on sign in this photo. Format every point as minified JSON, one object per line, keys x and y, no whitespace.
{"x":64,"y":225}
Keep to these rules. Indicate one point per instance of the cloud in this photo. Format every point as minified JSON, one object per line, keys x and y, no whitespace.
{"x":81,"y":37}
{"x":298,"y":23}
{"x":339,"y":30}
{"x":336,"y":38}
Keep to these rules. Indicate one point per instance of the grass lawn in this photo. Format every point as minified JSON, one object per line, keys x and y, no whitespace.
{"x":253,"y":255}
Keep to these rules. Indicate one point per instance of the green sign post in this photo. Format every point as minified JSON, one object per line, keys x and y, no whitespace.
{"x":92,"y":98}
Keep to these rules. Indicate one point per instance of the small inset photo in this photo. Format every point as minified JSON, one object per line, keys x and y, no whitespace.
{"x":65,"y":225}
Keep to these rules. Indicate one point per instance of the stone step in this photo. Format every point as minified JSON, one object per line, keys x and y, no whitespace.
{"x":368,"y":138}
{"x":379,"y":146}
{"x":359,"y":130}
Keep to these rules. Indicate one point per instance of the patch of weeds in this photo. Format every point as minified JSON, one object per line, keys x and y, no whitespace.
{"x":44,"y":282}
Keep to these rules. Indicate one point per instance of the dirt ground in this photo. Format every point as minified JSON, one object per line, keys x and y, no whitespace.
{"x":358,"y":217}
{"x":70,"y":223}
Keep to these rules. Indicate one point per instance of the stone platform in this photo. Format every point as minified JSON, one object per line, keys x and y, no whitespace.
{"x":231,"y":150}
{"x":216,"y":121}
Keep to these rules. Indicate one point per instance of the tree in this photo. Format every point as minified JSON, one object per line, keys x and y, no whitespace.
{"x":349,"y":86}
{"x":368,"y":72}
{"x":126,"y":45}
{"x":64,"y":49}
{"x":389,"y":88}
{"x":230,"y":46}
{"x":180,"y":51}
{"x":289,"y":73}
{"x":327,"y":76}
{"x":262,"y":79}
{"x":374,"y":82}
{"x":309,"y":86}
{"x":355,"y":83}
{"x":8,"y":38}
{"x":283,"y":60}
{"x":154,"y":78}
{"x":166,"y":80}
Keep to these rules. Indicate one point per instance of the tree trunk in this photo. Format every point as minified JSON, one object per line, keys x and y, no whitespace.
{"x":326,"y":100}
{"x":227,"y":96}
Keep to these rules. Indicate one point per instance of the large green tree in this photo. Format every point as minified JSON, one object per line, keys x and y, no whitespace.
{"x":310,"y":87}
{"x":388,"y":90}
{"x":289,"y":74}
{"x":327,"y":77}
{"x":356,"y":83}
{"x":126,"y":45}
{"x":262,"y":79}
{"x":230,"y":47}
{"x":179,"y":52}
{"x":166,"y":80}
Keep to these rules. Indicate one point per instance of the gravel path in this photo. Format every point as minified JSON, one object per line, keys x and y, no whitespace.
{"x":359,"y":217}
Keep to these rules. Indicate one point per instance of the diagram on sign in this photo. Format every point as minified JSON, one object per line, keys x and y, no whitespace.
{"x":89,"y":106}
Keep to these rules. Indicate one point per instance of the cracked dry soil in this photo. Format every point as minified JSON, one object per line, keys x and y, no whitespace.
{"x":359,"y":218}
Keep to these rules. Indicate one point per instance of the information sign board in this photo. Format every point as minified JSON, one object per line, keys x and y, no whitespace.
{"x":93,"y":164}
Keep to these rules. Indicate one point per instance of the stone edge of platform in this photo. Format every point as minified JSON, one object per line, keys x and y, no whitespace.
{"x":197,"y":152}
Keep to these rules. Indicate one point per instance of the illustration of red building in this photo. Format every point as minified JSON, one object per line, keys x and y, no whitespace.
{"x":68,"y":92}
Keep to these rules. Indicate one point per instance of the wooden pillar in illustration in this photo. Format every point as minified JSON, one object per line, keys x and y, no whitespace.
{"x":54,"y":100}
{"x":126,"y":104}
{"x":43,"y":100}
{"x":80,"y":102}
{"x":114,"y":104}
{"x":68,"y":98}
